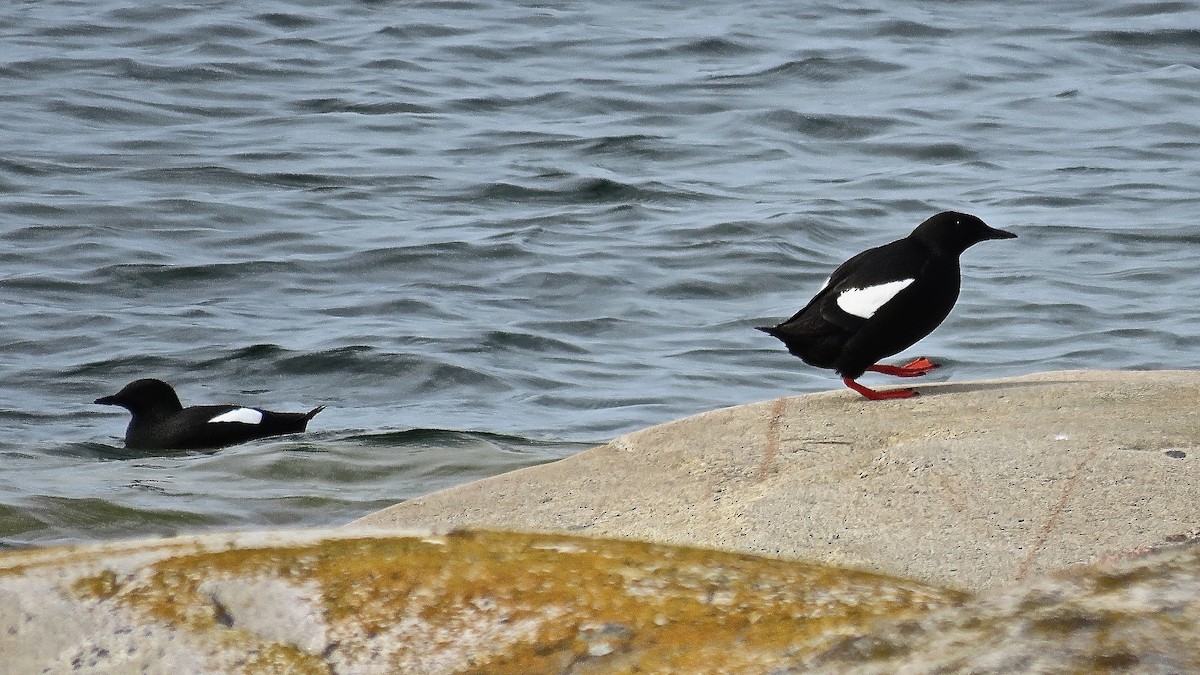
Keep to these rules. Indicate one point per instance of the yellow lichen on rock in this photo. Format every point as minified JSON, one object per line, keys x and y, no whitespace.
{"x":100,"y":587}
{"x":475,"y":602}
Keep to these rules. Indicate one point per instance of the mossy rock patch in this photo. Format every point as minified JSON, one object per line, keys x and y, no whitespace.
{"x":463,"y":602}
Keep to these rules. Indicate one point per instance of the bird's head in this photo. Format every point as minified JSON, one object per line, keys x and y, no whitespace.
{"x":951,"y":232}
{"x":145,"y":397}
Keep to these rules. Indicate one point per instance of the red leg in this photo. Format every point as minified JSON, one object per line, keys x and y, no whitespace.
{"x":915,"y":368}
{"x":921,"y":363}
{"x":873,"y":395}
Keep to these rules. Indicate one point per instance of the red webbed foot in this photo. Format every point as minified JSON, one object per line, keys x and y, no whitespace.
{"x":873,"y":395}
{"x":915,"y":368}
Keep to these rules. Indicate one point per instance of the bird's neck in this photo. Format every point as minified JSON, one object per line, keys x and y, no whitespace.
{"x":934,"y":249}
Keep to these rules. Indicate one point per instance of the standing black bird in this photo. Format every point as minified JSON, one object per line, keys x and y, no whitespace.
{"x":160,"y":422}
{"x":883,"y":300}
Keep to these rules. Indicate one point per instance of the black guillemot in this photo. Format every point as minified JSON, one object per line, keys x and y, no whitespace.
{"x":160,"y":422}
{"x":883,"y":300}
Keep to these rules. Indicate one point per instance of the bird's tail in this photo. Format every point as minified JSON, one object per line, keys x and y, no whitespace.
{"x":798,"y":344}
{"x":313,"y":413}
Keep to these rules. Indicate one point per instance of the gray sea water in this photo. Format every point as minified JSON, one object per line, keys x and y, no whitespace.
{"x":489,"y":234}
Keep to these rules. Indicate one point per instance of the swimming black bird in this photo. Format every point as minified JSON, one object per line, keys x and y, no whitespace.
{"x":160,"y":422}
{"x":881,"y":301}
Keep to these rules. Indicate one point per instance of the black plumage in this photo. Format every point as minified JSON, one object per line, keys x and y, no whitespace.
{"x":883,"y":300}
{"x":160,"y":422}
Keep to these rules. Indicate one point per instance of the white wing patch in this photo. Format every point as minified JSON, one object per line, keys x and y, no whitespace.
{"x":240,"y":415}
{"x":864,"y":302}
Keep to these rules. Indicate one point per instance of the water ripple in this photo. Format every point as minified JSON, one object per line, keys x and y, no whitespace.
{"x":542,"y":222}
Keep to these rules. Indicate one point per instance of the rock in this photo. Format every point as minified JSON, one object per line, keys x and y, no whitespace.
{"x":1140,"y":615}
{"x":972,"y":485}
{"x":464,"y":602}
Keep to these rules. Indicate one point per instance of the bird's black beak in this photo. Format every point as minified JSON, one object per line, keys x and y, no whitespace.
{"x":106,"y":400}
{"x":993,"y":233}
